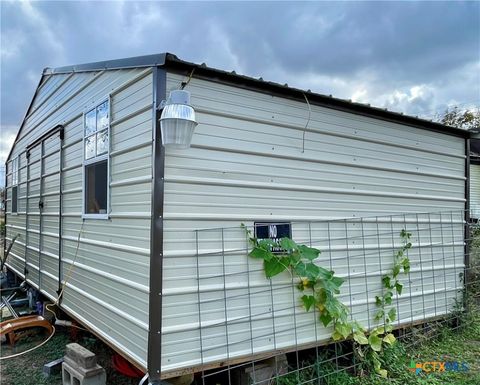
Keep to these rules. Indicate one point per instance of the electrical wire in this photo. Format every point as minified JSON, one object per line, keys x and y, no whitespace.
{"x":31,"y":349}
{"x":67,"y":277}
{"x":308,"y":121}
{"x":142,"y":381}
{"x":184,"y":84}
{"x":47,"y":307}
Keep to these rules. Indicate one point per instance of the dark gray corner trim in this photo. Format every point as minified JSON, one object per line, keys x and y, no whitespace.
{"x":5,"y":207}
{"x":60,"y":212}
{"x":154,"y":358}
{"x":131,"y":62}
{"x":467,"y":232}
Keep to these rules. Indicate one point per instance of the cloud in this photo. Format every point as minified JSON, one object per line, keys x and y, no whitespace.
{"x":414,"y":57}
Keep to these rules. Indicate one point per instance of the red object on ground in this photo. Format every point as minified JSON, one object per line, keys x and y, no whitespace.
{"x":126,"y":368}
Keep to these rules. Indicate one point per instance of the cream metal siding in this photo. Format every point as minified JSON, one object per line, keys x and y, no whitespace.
{"x":246,"y":164}
{"x":108,"y":287}
{"x":475,"y":190}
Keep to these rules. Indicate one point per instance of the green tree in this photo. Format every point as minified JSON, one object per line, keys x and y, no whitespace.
{"x":466,"y":119}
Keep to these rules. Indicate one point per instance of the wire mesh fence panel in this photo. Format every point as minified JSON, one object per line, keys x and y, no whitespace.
{"x":236,"y":326}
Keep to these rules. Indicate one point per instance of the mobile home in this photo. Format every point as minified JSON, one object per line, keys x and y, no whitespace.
{"x":146,"y":238}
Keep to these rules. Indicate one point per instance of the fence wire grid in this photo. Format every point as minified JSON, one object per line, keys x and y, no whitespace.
{"x":254,"y":330}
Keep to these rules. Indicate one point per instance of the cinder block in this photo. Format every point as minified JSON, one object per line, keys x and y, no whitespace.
{"x":72,"y":376}
{"x":84,"y":372}
{"x":53,"y":367}
{"x":81,"y":356}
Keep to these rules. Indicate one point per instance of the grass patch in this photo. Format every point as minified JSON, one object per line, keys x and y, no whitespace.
{"x":435,"y":343}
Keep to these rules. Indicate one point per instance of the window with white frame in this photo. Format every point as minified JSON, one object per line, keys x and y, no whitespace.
{"x":96,"y":125}
{"x":14,"y":197}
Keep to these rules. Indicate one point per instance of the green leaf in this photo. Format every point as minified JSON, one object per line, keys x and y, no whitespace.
{"x":382,"y":372}
{"x":406,"y":265}
{"x":309,"y":270}
{"x":261,"y":253}
{"x":398,"y":287}
{"x":392,"y":314}
{"x":337,"y":336}
{"x":294,"y":258}
{"x":388,"y":297}
{"x":324,"y":273}
{"x":408,"y":245}
{"x":386,"y":281}
{"x":378,"y":301}
{"x":274,"y":266}
{"x":325,"y":318}
{"x":396,"y":270}
{"x":337,"y":281}
{"x":375,"y":342}
{"x":389,"y":339}
{"x":343,"y":329}
{"x":308,"y":301}
{"x":331,"y":285}
{"x":288,"y":244}
{"x":336,"y":309}
{"x":360,"y":338}
{"x":309,"y":253}
{"x":379,"y":315}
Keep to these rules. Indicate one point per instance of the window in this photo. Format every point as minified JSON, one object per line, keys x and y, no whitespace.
{"x":14,"y":198}
{"x":96,"y":155}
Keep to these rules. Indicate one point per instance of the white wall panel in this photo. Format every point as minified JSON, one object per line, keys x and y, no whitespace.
{"x":112,"y":256}
{"x":246,"y":164}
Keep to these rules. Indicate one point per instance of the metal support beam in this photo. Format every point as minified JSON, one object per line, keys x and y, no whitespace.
{"x":467,"y":232}
{"x":154,"y":359}
{"x":60,"y":203}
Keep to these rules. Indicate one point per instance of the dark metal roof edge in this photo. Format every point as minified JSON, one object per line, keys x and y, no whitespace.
{"x":130,"y":62}
{"x":173,"y":62}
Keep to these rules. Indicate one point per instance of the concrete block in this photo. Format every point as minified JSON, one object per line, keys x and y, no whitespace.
{"x":84,"y":372}
{"x":53,"y":367}
{"x":72,"y":376}
{"x":81,"y":356}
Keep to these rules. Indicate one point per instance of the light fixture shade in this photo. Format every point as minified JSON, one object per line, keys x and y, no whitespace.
{"x":178,"y":120}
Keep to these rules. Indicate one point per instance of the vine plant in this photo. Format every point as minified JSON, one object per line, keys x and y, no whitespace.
{"x":390,"y":285}
{"x":320,"y":288}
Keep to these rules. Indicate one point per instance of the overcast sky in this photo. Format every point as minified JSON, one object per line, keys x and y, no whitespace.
{"x":414,"y":57}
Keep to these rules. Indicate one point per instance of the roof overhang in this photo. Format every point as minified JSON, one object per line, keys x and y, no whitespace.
{"x":174,"y":64}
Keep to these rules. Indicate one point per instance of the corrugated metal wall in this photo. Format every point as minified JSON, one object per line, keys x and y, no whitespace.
{"x":475,"y":190}
{"x":246,"y":164}
{"x":108,"y":287}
